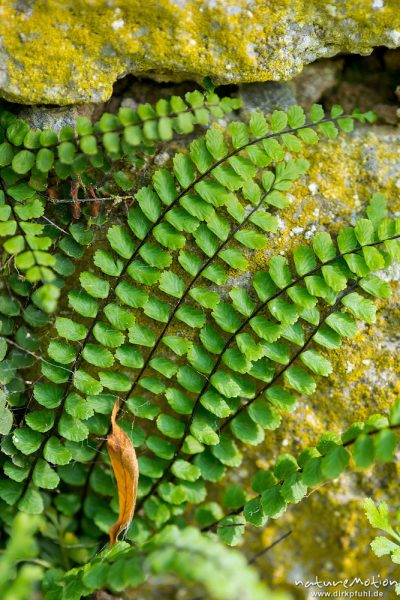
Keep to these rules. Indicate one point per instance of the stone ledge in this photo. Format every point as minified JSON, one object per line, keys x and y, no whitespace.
{"x":69,"y":52}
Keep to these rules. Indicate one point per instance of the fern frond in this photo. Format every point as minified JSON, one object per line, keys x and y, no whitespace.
{"x":29,"y":158}
{"x":215,"y":402}
{"x":26,"y":308}
{"x":290,"y":479}
{"x":35,"y":153}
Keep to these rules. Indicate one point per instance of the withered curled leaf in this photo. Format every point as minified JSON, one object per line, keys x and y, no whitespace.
{"x":126,"y":471}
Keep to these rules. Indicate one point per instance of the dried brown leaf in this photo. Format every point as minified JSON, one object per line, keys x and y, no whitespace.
{"x":126,"y":471}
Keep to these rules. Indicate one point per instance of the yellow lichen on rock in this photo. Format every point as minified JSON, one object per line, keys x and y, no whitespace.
{"x":73,"y":51}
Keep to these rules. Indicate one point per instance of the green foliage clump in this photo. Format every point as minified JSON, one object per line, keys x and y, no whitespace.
{"x":194,"y":557}
{"x":18,"y":583}
{"x":152,"y":310}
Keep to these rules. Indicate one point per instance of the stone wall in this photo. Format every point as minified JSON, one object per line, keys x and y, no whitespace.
{"x":72,"y":51}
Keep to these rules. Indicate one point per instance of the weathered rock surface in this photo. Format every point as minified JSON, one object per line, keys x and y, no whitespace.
{"x":73,"y":51}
